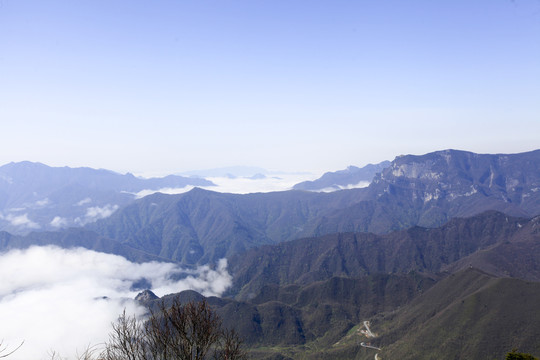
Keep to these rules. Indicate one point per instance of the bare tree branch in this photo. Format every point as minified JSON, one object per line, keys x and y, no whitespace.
{"x":189,"y":331}
{"x":4,"y":348}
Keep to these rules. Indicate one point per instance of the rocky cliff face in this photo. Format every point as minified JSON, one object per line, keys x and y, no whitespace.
{"x":146,"y":296}
{"x":431,"y":189}
{"x":453,"y":175}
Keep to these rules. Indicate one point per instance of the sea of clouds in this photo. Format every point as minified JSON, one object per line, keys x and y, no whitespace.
{"x":64,"y":300}
{"x":242,"y":185}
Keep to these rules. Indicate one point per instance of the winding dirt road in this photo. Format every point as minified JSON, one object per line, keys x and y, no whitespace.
{"x":369,"y":346}
{"x":369,"y":334}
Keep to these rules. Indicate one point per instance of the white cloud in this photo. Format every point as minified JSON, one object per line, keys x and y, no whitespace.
{"x":59,"y":222}
{"x":41,"y":203}
{"x":281,"y":182}
{"x":21,"y":221}
{"x":247,"y":185}
{"x":96,"y":213}
{"x":361,"y":184}
{"x":84,"y":201}
{"x":53,"y":298}
{"x":169,"y":191}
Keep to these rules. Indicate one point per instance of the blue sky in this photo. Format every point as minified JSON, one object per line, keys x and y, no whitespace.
{"x":157,"y":87}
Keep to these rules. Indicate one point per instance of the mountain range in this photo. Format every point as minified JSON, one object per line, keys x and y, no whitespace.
{"x":351,"y":177}
{"x":34,"y":196}
{"x":438,"y":258}
{"x":490,"y":241}
{"x":428,"y":293}
{"x":202,"y":226}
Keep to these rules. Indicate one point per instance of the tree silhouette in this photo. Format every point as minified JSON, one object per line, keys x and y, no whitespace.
{"x":4,"y":350}
{"x":189,"y":331}
{"x":514,"y":355}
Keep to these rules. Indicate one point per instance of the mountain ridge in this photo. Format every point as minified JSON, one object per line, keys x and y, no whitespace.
{"x":450,"y":247}
{"x":338,"y":180}
{"x":34,"y":196}
{"x":201,"y":226}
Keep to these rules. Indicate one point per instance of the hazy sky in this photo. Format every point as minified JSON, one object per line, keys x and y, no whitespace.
{"x":167,"y":86}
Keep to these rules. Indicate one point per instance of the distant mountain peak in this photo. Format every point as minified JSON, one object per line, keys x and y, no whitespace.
{"x":146,"y":296}
{"x":351,"y":177}
{"x":36,"y":196}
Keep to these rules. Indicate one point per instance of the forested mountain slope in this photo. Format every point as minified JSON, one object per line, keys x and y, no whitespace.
{"x":203,"y":226}
{"x":492,"y":241}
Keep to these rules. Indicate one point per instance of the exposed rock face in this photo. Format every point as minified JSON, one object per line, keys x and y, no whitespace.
{"x":452,"y":174}
{"x":146,"y":296}
{"x":431,"y":189}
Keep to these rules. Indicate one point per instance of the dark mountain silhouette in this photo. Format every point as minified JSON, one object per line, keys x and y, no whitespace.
{"x":516,"y":257}
{"x":424,"y":291}
{"x":338,"y":180}
{"x":34,"y":196}
{"x":322,"y":311}
{"x":468,"y":315}
{"x":483,"y":241}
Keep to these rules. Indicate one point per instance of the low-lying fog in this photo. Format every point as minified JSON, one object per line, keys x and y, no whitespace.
{"x":246,"y":185}
{"x":64,"y":300}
